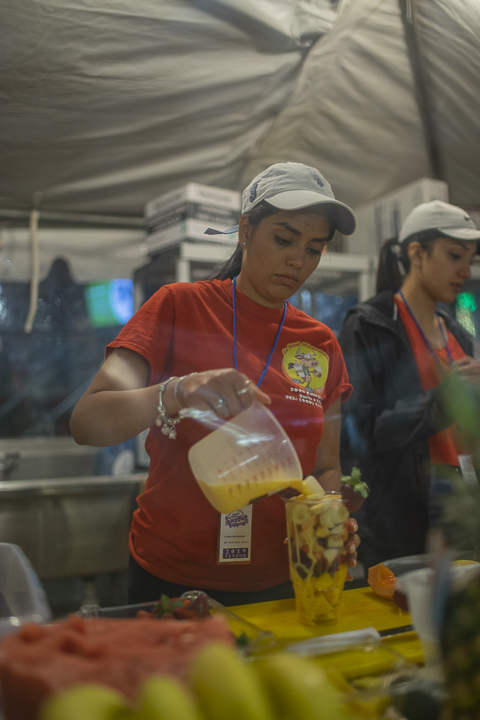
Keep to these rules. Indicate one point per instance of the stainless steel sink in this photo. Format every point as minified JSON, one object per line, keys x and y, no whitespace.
{"x":45,"y":457}
{"x":70,"y":527}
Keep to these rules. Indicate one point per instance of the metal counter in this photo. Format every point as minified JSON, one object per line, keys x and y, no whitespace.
{"x":45,"y":457}
{"x":71,"y":526}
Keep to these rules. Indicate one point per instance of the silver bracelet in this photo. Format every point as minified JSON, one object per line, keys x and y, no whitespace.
{"x":175,"y":389}
{"x":179,"y":380}
{"x":163,"y":420}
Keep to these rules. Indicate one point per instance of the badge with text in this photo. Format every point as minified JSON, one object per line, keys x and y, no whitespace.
{"x":235,"y":536}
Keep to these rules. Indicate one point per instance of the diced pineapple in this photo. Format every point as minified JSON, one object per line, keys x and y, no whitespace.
{"x":339,"y":513}
{"x":340,"y":576}
{"x":321,"y":604}
{"x":335,"y":541}
{"x":313,"y":487}
{"x":323,"y":581}
{"x":322,"y":531}
{"x":333,"y":595}
{"x":307,"y":537}
{"x":331,"y":554}
{"x":326,"y":518}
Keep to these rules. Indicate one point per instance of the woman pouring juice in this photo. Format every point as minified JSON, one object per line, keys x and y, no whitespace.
{"x":218,"y":346}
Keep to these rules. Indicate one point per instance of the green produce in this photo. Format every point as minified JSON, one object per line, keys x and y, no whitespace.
{"x":86,"y":702}
{"x":221,"y":687}
{"x":459,"y":519}
{"x":354,"y":490}
{"x":299,"y":688}
{"x":227,"y":688}
{"x":165,"y":698}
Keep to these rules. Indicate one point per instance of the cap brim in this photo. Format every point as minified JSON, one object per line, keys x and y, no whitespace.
{"x":461,"y":233}
{"x":343,"y":217}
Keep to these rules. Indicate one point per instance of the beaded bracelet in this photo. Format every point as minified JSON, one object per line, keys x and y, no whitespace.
{"x":163,"y":420}
{"x":175,"y":389}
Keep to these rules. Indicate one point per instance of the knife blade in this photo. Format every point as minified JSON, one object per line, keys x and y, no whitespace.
{"x":400,"y":630}
{"x":340,"y":641}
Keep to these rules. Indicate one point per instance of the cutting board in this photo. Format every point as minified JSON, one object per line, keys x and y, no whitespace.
{"x":359,"y":608}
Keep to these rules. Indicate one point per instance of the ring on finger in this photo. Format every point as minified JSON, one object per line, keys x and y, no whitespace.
{"x":221,"y":402}
{"x":245,"y":389}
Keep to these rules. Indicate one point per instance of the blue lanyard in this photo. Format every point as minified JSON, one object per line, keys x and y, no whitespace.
{"x":235,"y":336}
{"x":424,"y":337}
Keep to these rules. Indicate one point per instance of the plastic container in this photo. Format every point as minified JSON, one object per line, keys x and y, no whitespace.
{"x":245,"y":458}
{"x":248,"y":635}
{"x":422,"y":587}
{"x":408,"y":563}
{"x":22,"y":597}
{"x":317,"y":536}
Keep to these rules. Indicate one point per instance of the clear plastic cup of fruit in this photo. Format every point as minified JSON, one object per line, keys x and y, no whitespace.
{"x":317,"y":540}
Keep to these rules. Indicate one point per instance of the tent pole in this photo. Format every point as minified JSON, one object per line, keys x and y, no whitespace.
{"x":423,"y":94}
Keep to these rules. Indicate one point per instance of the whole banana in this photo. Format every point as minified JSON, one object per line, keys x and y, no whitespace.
{"x":226,"y":687}
{"x":165,"y":698}
{"x":95,"y":702}
{"x":299,"y":688}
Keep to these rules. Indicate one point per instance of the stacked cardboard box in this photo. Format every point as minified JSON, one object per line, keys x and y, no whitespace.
{"x":381,"y":219}
{"x":185,"y":214}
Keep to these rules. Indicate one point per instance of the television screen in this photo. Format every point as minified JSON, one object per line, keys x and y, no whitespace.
{"x":109,"y":303}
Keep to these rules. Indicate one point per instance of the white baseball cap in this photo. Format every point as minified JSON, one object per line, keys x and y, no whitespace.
{"x":293,"y":186}
{"x":447,"y":219}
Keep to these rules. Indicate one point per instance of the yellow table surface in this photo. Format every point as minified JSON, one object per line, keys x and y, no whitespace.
{"x":359,"y":608}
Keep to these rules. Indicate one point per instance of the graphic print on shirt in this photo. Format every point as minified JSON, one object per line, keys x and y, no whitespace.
{"x":306,"y":366}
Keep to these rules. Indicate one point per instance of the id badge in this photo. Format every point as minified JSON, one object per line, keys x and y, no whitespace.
{"x":235,"y":536}
{"x":468,"y":471}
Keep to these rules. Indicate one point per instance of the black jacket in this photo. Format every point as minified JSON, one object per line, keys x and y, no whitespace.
{"x":386,"y":424}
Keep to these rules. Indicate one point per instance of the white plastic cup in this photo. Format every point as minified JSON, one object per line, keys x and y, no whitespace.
{"x":246,"y":458}
{"x":418,"y":586}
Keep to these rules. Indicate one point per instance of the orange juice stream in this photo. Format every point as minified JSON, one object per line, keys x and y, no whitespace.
{"x":228,"y":497}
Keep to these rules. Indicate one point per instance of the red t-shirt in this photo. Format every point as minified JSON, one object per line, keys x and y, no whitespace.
{"x":187,"y":327}
{"x":444,"y":446}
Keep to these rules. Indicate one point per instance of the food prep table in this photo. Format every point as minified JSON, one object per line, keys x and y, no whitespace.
{"x":359,"y":608}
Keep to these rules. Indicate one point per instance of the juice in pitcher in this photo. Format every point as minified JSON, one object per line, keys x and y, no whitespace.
{"x":228,"y":497}
{"x":246,"y":458}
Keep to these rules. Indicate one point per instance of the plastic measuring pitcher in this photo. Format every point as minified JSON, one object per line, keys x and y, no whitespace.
{"x":247,"y":457}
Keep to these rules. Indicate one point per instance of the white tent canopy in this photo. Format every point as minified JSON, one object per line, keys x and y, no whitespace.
{"x":108,"y":103}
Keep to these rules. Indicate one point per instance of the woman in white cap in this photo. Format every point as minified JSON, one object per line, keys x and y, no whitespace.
{"x":217,"y":346}
{"x":399,"y":348}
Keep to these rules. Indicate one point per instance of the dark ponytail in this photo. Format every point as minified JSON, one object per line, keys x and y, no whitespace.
{"x":230,"y":267}
{"x":389,"y":274}
{"x":394,"y":262}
